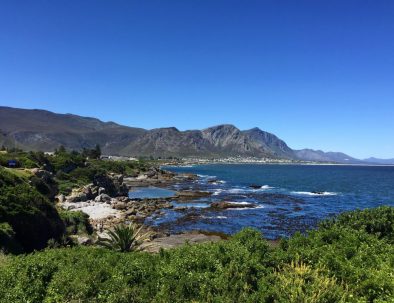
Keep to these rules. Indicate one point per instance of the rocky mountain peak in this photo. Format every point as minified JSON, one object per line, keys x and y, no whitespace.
{"x":46,"y":131}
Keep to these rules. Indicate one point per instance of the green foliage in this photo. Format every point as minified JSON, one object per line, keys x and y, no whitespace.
{"x":377,"y":221}
{"x":347,"y":259}
{"x":332,"y":264}
{"x":94,"y":153}
{"x":66,"y":162}
{"x":8,"y":242}
{"x":123,"y":238}
{"x":298,"y":282}
{"x":31,"y":216}
{"x":76,"y":222}
{"x":72,"y":169}
{"x":361,"y":260}
{"x":22,"y":159}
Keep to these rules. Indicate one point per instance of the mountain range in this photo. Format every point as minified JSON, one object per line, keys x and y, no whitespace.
{"x":33,"y":129}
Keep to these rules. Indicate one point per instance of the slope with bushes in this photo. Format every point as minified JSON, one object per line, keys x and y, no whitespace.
{"x":342,"y":261}
{"x":27,"y":218}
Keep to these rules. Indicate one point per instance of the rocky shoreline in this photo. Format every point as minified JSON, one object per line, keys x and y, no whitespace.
{"x":107,"y":203}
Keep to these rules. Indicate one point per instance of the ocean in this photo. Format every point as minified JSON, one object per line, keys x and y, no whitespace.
{"x":288,"y":198}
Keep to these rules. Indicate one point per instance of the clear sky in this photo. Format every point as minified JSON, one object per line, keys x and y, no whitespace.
{"x":318,"y":74}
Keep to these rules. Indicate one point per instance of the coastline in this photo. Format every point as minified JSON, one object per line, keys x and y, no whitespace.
{"x":188,"y":189}
{"x":188,"y":163}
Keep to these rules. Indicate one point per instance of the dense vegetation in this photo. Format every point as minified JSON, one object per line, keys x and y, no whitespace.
{"x":28,"y":217}
{"x":71,"y":168}
{"x":349,"y":259}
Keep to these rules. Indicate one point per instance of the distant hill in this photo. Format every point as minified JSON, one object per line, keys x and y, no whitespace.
{"x":44,"y":130}
{"x":320,"y":156}
{"x":380,"y":161}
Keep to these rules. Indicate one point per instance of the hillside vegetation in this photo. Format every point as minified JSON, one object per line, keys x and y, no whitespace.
{"x":349,"y":259}
{"x":28,"y":216}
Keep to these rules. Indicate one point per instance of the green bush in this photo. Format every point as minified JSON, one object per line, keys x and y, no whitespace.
{"x":8,"y":242}
{"x":31,"y":216}
{"x":76,"y":222}
{"x":376,"y":221}
{"x":298,"y":282}
{"x":362,"y":261}
{"x":335,"y":263}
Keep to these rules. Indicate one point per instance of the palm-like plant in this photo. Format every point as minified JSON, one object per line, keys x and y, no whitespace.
{"x":123,"y":238}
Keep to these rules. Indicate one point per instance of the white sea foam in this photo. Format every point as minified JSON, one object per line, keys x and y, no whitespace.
{"x":217,"y":182}
{"x":236,"y":191}
{"x":308,"y":193}
{"x":214,"y":217}
{"x":206,"y":176}
{"x":217,"y":192}
{"x":267,"y":187}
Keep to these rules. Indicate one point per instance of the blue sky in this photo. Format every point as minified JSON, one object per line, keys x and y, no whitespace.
{"x":318,"y":74}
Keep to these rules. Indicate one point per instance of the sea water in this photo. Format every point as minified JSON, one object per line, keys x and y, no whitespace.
{"x":289,"y":198}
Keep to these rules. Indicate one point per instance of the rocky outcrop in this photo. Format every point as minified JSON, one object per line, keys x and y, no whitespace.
{"x":227,"y":205}
{"x":112,"y":183}
{"x":186,"y":195}
{"x":154,"y":176}
{"x":101,"y":190}
{"x":255,"y":186}
{"x":118,"y":210}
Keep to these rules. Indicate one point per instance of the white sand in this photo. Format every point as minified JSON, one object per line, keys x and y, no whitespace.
{"x":95,"y":210}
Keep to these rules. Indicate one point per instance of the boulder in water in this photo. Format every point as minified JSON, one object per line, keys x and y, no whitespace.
{"x":226,"y":205}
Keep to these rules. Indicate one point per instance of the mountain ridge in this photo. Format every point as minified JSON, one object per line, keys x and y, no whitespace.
{"x":36,"y":129}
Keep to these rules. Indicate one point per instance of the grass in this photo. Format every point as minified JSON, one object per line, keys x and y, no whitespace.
{"x":20,"y":172}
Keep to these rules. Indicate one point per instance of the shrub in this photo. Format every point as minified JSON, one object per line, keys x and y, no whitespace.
{"x":8,"y":242}
{"x":332,"y":264}
{"x":376,"y":221}
{"x":32,"y":217}
{"x":76,"y":222}
{"x":123,"y":238}
{"x":298,"y":282}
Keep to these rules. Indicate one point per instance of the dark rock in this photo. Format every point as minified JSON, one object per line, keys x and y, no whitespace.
{"x":255,"y":186}
{"x":119,"y":206}
{"x":186,"y":195}
{"x":212,"y":181}
{"x":151,"y":173}
{"x":113,"y":184}
{"x":130,"y":212}
{"x":226,"y":205}
{"x":61,"y":198}
{"x":103,"y":198}
{"x":318,"y":192}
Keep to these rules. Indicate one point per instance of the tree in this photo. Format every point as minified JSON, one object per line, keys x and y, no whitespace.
{"x":61,"y":150}
{"x":96,"y":152}
{"x":124,"y":238}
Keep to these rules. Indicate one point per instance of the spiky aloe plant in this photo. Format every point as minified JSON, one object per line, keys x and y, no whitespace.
{"x":123,"y":238}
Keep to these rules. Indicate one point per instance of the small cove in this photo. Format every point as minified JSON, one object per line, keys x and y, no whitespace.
{"x":150,"y":192}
